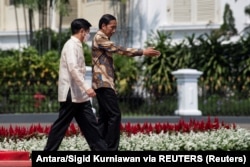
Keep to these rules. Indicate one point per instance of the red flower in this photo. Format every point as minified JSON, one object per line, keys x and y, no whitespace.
{"x":38,"y":98}
{"x":128,"y":128}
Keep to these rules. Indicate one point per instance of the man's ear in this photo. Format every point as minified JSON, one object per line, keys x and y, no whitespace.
{"x":103,"y":25}
{"x":81,"y":30}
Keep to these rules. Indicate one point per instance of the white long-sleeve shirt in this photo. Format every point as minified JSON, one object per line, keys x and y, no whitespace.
{"x":72,"y":70}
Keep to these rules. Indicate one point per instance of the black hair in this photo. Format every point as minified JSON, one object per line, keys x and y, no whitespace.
{"x":77,"y":24}
{"x":105,"y":19}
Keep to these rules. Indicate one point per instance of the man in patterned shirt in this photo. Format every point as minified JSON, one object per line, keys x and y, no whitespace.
{"x":103,"y":78}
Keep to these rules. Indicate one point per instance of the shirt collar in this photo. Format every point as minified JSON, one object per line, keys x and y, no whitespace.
{"x":78,"y":42}
{"x":102,"y":34}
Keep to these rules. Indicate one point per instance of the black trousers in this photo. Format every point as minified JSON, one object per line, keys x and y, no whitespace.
{"x":86,"y":120}
{"x":109,"y":117}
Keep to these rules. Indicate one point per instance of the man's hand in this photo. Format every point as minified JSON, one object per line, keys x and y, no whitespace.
{"x":151,"y":52}
{"x":91,"y":92}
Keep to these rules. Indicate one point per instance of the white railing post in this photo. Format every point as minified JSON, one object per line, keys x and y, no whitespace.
{"x":187,"y":91}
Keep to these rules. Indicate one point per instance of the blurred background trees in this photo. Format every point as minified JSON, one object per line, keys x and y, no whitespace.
{"x":223,"y":86}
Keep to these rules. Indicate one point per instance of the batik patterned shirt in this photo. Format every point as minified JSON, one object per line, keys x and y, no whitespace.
{"x":103,"y":67}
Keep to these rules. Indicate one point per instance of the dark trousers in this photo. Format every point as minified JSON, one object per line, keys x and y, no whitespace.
{"x":109,"y":117}
{"x":86,"y":120}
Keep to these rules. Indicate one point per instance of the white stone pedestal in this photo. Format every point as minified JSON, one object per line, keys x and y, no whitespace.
{"x":187,"y":92}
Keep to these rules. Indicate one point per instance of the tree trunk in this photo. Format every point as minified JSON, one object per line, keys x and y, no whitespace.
{"x":17,"y":25}
{"x":50,"y":18}
{"x":31,"y":26}
{"x":25,"y":23}
{"x":60,"y":32}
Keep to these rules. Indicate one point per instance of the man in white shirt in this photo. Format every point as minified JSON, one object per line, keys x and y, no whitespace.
{"x":74,"y":93}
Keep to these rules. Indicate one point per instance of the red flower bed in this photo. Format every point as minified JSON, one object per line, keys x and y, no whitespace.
{"x":181,"y":126}
{"x":128,"y":128}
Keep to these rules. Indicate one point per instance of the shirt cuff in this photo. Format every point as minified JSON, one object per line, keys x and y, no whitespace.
{"x":140,"y":52}
{"x":86,"y":86}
